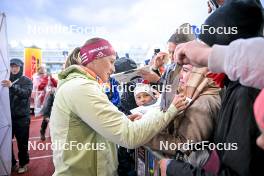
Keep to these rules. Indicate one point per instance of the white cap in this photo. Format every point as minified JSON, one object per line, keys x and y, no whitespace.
{"x":140,"y":87}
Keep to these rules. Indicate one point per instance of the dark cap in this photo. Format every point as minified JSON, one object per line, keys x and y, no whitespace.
{"x":240,"y":19}
{"x":17,"y":62}
{"x":124,"y":64}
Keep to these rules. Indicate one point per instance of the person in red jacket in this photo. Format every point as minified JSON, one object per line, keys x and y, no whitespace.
{"x":47,"y":84}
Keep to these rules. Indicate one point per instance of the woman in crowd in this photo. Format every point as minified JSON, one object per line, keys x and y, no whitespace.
{"x":85,"y":126}
{"x":198,"y":121}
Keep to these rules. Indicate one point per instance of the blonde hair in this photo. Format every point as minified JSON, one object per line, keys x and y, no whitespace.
{"x":74,"y":58}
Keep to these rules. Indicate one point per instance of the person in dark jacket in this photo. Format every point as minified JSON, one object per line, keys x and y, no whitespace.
{"x":236,"y":124}
{"x":126,"y":166}
{"x":20,"y":88}
{"x":127,"y":101}
{"x":46,"y":114}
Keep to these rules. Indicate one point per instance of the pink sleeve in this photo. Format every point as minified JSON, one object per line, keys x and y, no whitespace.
{"x":259,"y":110}
{"x":242,"y":60}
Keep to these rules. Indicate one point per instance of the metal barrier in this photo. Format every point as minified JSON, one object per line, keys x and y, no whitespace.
{"x":147,"y":161}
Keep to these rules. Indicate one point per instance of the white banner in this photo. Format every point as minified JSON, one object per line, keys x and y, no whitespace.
{"x":5,"y":117}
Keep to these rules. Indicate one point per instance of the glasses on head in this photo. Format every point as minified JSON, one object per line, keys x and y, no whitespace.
{"x":212,"y":5}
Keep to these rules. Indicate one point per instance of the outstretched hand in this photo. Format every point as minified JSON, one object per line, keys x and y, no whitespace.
{"x":193,"y":52}
{"x":149,"y":75}
{"x":159,"y":60}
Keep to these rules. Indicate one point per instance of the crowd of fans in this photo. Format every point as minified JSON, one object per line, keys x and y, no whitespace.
{"x":200,"y":89}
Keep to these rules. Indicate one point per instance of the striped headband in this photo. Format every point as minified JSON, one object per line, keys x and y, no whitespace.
{"x":99,"y":49}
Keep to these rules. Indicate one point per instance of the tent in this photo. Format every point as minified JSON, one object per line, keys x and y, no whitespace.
{"x":5,"y":116}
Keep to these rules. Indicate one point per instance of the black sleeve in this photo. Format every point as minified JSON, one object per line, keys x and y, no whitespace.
{"x":180,"y":168}
{"x":242,"y":129}
{"x":127,"y":98}
{"x":22,"y":90}
{"x":48,"y":105}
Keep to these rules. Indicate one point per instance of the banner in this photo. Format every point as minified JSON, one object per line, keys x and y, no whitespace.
{"x":5,"y":116}
{"x":33,"y":59}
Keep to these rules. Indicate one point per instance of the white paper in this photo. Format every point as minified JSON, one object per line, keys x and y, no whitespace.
{"x":126,"y":76}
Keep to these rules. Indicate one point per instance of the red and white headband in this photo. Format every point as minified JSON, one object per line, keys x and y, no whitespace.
{"x":99,"y":49}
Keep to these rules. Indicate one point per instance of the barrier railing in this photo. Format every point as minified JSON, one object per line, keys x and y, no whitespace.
{"x":147,"y":161}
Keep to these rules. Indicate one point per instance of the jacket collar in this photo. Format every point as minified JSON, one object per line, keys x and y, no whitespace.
{"x":75,"y":71}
